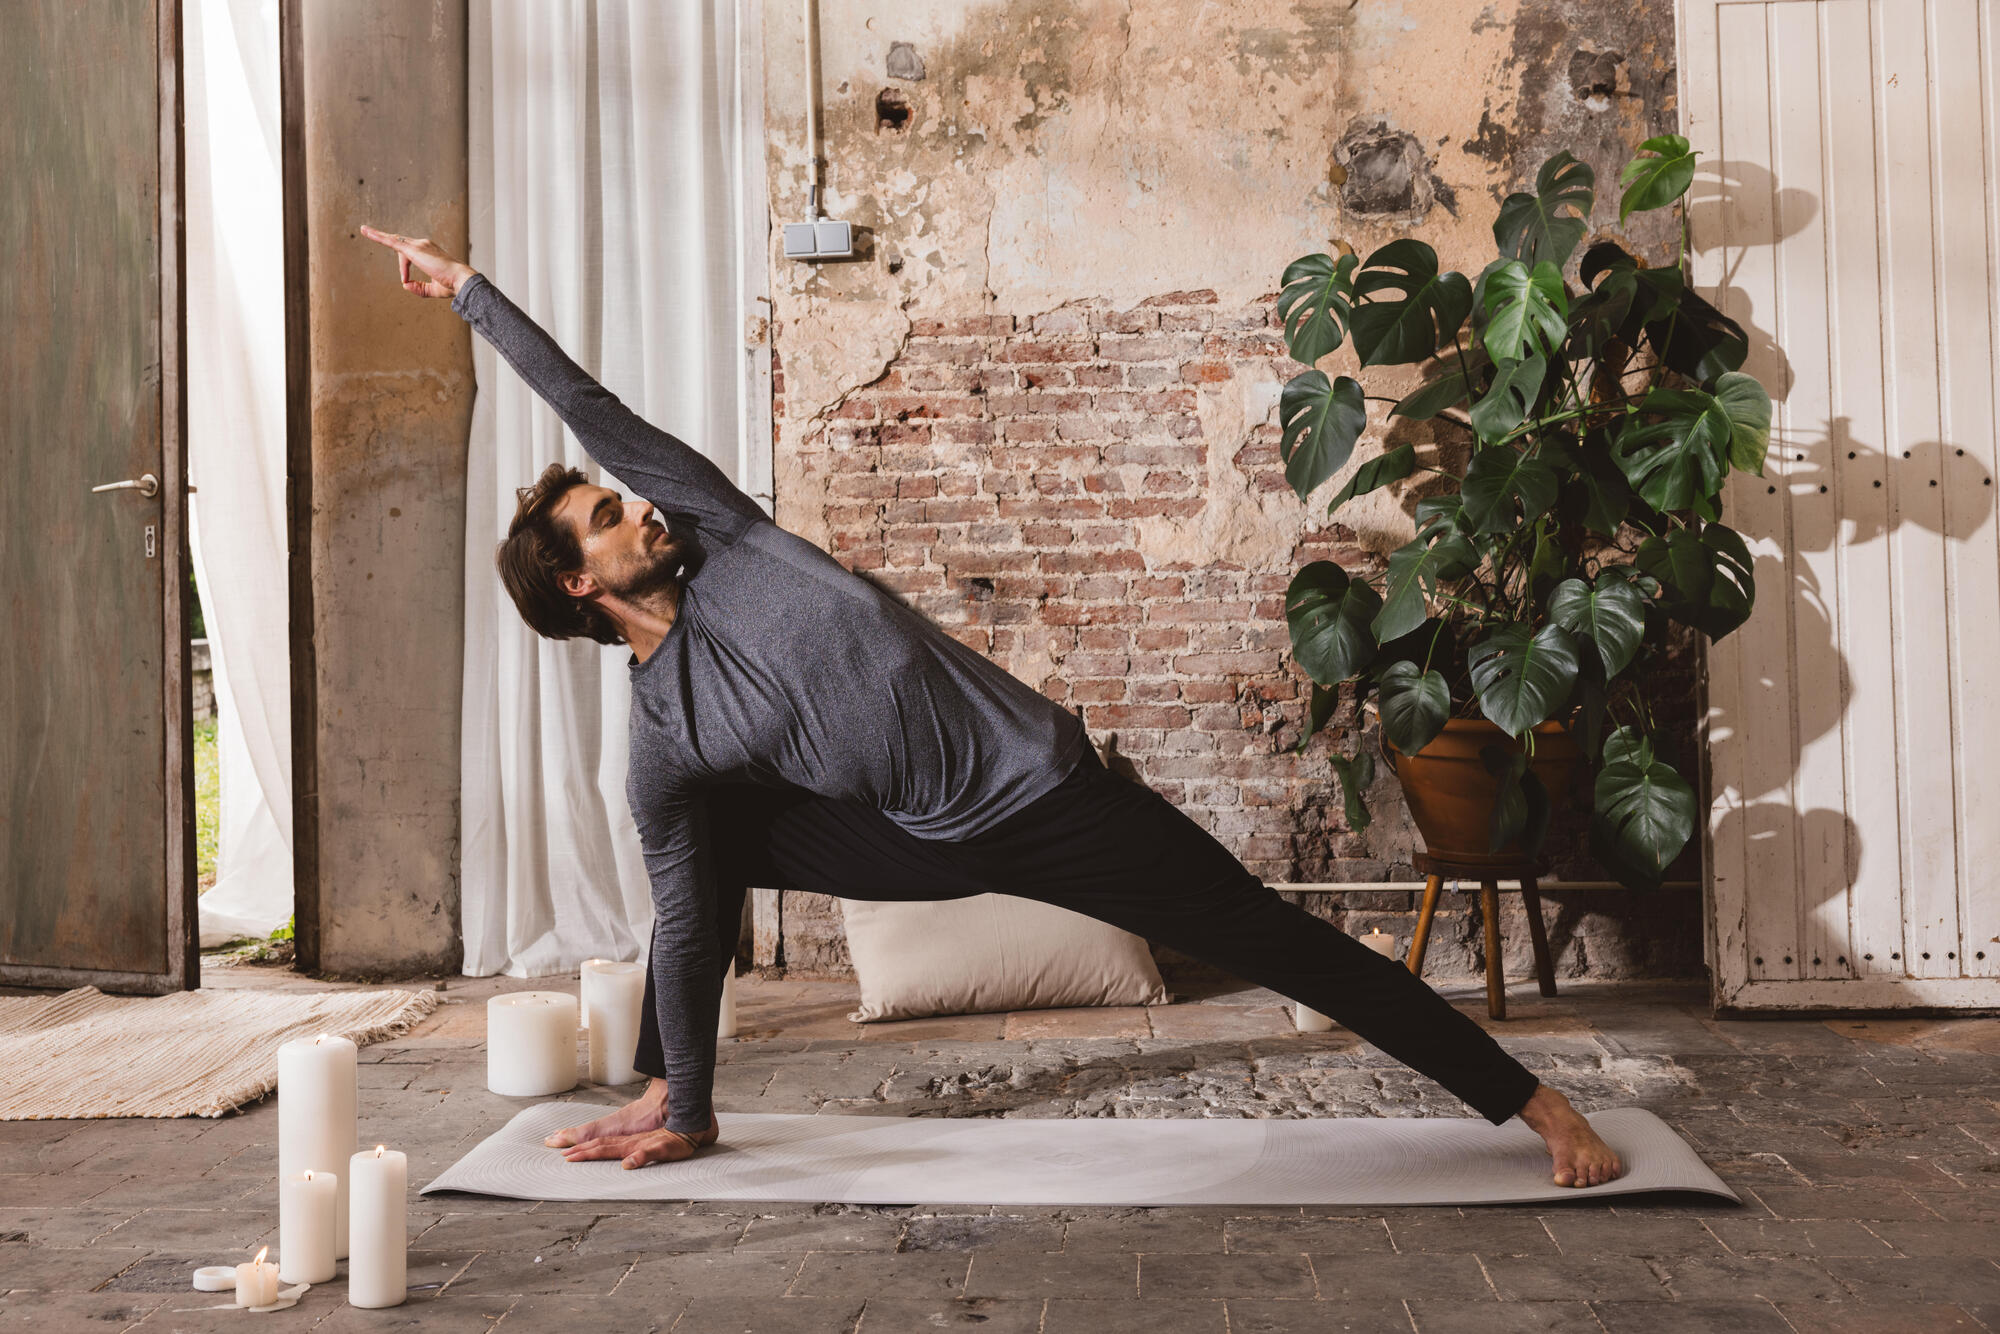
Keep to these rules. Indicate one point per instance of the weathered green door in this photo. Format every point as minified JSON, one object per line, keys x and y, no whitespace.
{"x":96,"y":787}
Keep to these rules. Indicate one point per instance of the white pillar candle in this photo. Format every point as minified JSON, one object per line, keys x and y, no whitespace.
{"x":612,"y":996}
{"x":1308,"y":1020}
{"x":531,"y":1043}
{"x":306,"y":1224}
{"x":1380,"y":941}
{"x":378,"y":1250}
{"x":725,"y":1026}
{"x":586,"y":987}
{"x":257,"y":1282}
{"x":317,"y":1117}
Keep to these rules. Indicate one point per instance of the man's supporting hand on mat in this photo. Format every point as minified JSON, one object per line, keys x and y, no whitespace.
{"x":1580,"y":1158}
{"x":635,"y":1134}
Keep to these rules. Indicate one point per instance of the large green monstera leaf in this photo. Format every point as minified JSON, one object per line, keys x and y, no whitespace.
{"x":1527,"y":311}
{"x":1522,"y":675}
{"x":1314,"y":304}
{"x":1677,"y":461}
{"x":1426,"y":313}
{"x":1505,"y":486}
{"x":1644,"y":810}
{"x":1415,"y":705}
{"x":1318,"y":421}
{"x":1610,"y":614}
{"x":1656,"y":181}
{"x":1545,"y":227}
{"x":1328,"y":612}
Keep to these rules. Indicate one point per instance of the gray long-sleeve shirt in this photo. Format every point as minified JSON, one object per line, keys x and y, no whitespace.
{"x":782,"y":667}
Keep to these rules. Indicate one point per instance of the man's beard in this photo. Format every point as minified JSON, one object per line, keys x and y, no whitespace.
{"x":638,"y":579}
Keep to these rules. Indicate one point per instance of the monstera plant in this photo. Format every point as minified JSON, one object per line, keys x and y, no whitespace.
{"x":1566,"y":501}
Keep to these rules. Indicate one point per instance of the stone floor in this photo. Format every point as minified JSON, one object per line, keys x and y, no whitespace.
{"x":1867,"y":1154}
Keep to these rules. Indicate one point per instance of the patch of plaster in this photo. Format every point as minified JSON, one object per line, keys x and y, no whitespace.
{"x":1238,"y":524}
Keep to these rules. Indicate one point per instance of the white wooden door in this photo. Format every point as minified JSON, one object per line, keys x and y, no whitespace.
{"x":1846,"y":214}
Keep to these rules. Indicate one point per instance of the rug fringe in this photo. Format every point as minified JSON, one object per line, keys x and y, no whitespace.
{"x":414,"y":1011}
{"x":136,"y":1057}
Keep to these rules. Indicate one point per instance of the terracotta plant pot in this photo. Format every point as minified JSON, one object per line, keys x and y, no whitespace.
{"x":1451,"y":795}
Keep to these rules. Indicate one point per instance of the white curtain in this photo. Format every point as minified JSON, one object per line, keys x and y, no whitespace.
{"x":605,"y":198}
{"x":236,"y":446}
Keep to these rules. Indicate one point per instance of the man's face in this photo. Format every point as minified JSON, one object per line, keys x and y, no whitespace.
{"x":626,"y":549}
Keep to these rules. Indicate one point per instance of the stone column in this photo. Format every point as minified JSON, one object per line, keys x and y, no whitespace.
{"x":385,"y":144}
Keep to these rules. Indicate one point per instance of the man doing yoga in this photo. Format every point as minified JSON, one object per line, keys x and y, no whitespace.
{"x":795,"y":727}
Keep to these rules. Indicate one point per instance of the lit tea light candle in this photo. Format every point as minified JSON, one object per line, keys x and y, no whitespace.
{"x":306,"y":1223}
{"x":378,"y":1251}
{"x":257,"y":1282}
{"x":531,"y":1043}
{"x":613,"y":993}
{"x":317,"y":1117}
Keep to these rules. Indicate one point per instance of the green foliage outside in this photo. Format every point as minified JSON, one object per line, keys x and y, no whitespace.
{"x":207,"y":801}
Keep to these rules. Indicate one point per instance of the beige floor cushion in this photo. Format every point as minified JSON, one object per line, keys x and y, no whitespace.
{"x":991,"y":952}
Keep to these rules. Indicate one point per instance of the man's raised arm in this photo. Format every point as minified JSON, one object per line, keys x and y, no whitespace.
{"x":656,"y":465}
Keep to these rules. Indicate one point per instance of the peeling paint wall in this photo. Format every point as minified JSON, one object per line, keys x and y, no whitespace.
{"x":392,"y":406}
{"x":1040,"y":402}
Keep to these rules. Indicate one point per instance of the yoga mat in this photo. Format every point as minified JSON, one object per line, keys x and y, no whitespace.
{"x":1085,"y":1161}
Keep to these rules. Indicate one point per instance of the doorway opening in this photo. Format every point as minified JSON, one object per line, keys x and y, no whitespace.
{"x":239,"y":547}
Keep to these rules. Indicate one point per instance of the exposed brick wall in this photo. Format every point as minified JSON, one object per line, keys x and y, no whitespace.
{"x":995,"y":476}
{"x":991,"y":477}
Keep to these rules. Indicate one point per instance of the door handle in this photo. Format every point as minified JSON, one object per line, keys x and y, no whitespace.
{"x":145,"y":484}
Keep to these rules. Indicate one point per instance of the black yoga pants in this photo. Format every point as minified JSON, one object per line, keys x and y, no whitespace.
{"x":1104,"y":846}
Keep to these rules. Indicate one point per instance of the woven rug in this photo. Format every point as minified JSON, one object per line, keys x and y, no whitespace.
{"x":193,"y":1053}
{"x":1373,"y":1161}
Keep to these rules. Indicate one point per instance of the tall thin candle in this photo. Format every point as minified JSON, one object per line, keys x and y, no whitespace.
{"x":378,"y":1250}
{"x":317,"y":1109}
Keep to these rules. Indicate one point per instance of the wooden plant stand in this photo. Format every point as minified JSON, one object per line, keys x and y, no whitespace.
{"x":1436,"y":872}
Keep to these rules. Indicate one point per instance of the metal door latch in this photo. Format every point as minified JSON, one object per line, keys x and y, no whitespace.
{"x":145,"y":484}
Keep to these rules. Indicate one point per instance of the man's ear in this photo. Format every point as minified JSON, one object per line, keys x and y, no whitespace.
{"x":577,"y":583}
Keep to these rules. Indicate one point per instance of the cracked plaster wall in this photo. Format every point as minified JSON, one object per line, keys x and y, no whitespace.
{"x":1049,"y":168}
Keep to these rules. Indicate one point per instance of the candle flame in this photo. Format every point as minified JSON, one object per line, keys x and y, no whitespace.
{"x":260,"y":1255}
{"x":378,"y":1150}
{"x":309,"y":1174}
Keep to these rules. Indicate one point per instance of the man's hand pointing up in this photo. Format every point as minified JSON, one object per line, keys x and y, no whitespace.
{"x":443,"y":274}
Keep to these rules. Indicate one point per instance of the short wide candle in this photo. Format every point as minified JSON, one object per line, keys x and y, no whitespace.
{"x":306,"y":1221}
{"x":1380,"y":941}
{"x":612,"y":993}
{"x":317,"y":1109}
{"x":257,"y":1281}
{"x":531,"y":1043}
{"x":378,"y":1251}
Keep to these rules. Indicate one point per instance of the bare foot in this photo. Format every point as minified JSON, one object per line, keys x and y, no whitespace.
{"x":651,"y":1146}
{"x":1580,"y":1157}
{"x":645,"y":1113}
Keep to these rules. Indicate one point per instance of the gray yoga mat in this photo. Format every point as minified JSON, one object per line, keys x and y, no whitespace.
{"x":1086,"y":1161}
